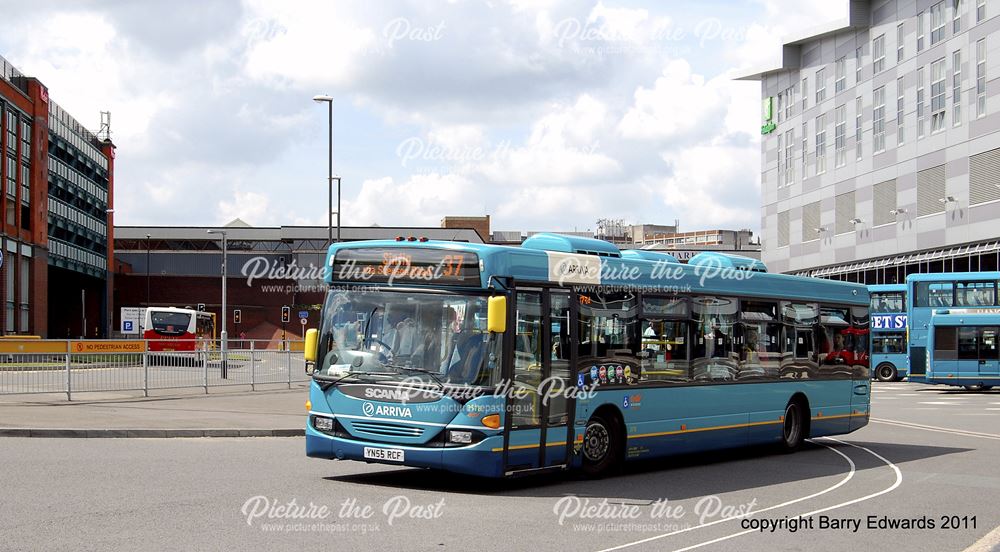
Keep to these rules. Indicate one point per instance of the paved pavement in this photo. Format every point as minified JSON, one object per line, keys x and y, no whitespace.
{"x":264,"y":494}
{"x":226,"y":412}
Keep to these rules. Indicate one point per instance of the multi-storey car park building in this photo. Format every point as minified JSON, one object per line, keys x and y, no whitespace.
{"x":880,"y":150}
{"x":56,"y":207}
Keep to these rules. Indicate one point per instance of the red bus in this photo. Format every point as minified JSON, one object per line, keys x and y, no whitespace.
{"x":176,"y":329}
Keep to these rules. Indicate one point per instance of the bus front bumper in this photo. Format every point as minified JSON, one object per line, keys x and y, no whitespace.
{"x":478,"y":459}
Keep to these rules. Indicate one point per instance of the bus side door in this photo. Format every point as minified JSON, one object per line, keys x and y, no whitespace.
{"x":989,"y":357}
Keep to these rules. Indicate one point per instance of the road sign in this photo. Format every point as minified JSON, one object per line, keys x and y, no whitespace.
{"x":201,"y":307}
{"x":131,"y":320}
{"x":121,"y":346}
{"x":303,"y":314}
{"x":304,"y":321}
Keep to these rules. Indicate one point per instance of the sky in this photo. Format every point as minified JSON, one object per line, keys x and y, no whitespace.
{"x":544,"y":114}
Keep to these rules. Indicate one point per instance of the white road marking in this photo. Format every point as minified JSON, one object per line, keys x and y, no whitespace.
{"x":937,"y":429}
{"x":938,"y":402}
{"x":899,"y":481}
{"x":846,"y":478}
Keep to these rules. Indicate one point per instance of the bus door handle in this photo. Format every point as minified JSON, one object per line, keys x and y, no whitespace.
{"x":861,"y":389}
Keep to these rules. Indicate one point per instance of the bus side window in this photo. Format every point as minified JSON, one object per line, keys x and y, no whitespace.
{"x":800,"y":359}
{"x":608,"y":324}
{"x":664,"y":355}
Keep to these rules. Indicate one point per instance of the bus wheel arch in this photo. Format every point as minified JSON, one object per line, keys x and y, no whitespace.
{"x":886,"y":372}
{"x":796,"y":424}
{"x":604,"y":441}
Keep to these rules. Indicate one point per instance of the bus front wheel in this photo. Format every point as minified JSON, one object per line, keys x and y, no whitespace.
{"x":601,"y":446}
{"x":793,"y":427}
{"x":977,"y":387}
{"x":886,"y":372}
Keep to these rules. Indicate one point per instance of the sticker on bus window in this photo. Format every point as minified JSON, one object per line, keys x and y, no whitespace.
{"x":801,"y":341}
{"x":719,"y":341}
{"x":680,"y":340}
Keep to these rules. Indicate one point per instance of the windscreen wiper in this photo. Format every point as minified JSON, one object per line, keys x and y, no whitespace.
{"x":328,"y":383}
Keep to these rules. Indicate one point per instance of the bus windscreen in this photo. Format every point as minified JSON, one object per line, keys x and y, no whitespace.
{"x":170,"y":323}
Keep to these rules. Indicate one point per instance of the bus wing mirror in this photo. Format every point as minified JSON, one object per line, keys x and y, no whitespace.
{"x":496,"y":314}
{"x":309,"y":348}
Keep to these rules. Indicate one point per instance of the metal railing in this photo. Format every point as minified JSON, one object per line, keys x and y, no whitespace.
{"x":72,"y":367}
{"x":10,"y":74}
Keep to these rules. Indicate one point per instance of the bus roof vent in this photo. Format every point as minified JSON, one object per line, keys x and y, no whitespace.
{"x":646,"y":255}
{"x":727,"y":260}
{"x":545,"y":241}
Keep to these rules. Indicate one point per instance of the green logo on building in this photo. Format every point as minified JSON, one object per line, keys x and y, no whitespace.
{"x":767,"y":114}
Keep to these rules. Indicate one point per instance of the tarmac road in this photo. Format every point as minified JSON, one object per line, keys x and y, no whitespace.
{"x":930,"y":455}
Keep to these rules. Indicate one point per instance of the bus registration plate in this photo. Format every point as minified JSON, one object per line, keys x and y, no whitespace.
{"x":387,"y":455}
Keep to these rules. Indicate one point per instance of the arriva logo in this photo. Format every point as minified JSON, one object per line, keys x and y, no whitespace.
{"x":397,"y":411}
{"x":381,"y":393}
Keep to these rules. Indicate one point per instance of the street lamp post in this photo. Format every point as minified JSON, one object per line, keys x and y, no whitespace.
{"x":337,"y":178}
{"x":147,"y":270}
{"x":224,"y":335}
{"x":330,"y":178}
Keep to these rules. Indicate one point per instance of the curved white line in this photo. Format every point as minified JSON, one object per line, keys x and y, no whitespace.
{"x":937,"y":429}
{"x":899,"y":481}
{"x":847,"y":478}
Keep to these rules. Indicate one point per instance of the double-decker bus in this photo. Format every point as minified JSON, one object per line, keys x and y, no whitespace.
{"x":888,"y":331}
{"x":566,"y":352}
{"x":176,"y":329}
{"x":964,"y":348}
{"x":925,"y":293}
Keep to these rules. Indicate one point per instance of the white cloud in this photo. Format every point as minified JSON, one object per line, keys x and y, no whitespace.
{"x":213,"y":119}
{"x":712,"y":185}
{"x":252,"y":207}
{"x":679,"y":103}
{"x":424,"y":198}
{"x":310,"y":43}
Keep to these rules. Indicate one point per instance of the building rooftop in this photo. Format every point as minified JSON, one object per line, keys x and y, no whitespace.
{"x":858,"y":17}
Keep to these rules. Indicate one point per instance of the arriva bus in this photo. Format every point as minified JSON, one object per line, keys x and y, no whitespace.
{"x":964,"y":348}
{"x":925,"y":293}
{"x":568,"y":353}
{"x":176,"y":329}
{"x":888,"y":347}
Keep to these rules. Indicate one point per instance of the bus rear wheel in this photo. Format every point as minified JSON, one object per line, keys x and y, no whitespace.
{"x":977,"y":387}
{"x":601,"y":446}
{"x":793,"y":427}
{"x":886,"y":372}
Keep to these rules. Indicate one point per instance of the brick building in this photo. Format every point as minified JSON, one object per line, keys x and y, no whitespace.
{"x":57,"y":189}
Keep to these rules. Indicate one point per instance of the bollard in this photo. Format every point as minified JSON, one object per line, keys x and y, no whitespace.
{"x":288,"y":366}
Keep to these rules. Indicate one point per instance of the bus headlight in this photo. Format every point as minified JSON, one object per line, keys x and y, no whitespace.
{"x":460,"y":437}
{"x":323,"y":424}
